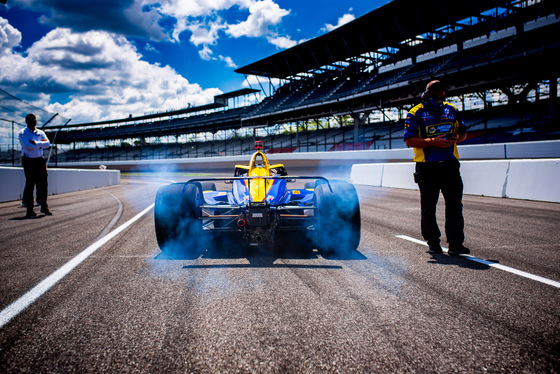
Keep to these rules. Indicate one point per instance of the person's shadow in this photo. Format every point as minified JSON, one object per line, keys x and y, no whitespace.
{"x":460,"y":261}
{"x":38,"y":216}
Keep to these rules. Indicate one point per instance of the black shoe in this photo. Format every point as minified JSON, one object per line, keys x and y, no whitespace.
{"x":435,"y":249}
{"x":46,"y":211}
{"x":30,"y":213}
{"x":458,"y":250}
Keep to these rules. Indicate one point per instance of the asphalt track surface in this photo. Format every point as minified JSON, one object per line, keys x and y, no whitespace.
{"x":387,"y":307}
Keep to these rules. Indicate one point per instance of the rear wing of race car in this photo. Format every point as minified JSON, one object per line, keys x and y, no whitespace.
{"x":231,"y":179}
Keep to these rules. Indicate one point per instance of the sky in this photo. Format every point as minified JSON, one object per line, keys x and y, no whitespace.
{"x":106,"y":59}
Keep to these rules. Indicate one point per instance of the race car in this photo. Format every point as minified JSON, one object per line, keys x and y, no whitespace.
{"x":259,"y":210}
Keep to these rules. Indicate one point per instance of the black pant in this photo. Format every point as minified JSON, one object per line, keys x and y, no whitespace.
{"x":35,"y":170}
{"x":445,"y":177}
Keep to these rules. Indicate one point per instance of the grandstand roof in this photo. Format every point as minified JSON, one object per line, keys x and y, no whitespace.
{"x":384,"y":27}
{"x":482,"y":45}
{"x":237,"y":93}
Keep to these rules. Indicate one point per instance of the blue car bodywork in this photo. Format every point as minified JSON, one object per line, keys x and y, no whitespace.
{"x":260,"y":208}
{"x":278,"y":195}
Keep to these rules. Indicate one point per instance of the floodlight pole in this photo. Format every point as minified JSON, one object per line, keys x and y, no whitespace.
{"x":46,"y":123}
{"x":13,"y":150}
{"x":54,"y":138}
{"x":42,"y":128}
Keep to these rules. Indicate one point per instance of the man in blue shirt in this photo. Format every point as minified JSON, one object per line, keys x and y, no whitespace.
{"x":32,"y":142}
{"x":433,"y":128}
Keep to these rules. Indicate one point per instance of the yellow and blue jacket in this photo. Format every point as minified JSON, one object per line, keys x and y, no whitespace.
{"x":425,"y":121}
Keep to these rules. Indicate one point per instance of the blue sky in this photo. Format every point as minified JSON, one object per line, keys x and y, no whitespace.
{"x":105,"y":59}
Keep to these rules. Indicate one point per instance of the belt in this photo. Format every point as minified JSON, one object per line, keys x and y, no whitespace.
{"x":438,"y":162}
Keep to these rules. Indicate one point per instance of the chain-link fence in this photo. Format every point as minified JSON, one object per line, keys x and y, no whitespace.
{"x":12,"y":119}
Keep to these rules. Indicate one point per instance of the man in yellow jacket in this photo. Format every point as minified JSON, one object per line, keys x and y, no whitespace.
{"x":433,"y":128}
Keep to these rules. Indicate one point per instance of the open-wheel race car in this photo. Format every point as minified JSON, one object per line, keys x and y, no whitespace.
{"x":258,"y":210}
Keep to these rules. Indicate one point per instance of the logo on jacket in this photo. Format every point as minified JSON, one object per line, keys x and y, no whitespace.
{"x":426,"y":115}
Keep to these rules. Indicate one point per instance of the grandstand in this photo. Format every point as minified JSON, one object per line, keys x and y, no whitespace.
{"x":351,"y":88}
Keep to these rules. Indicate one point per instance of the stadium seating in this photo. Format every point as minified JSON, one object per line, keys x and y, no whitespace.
{"x":466,"y":47}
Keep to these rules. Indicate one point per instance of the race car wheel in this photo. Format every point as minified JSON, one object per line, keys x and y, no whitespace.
{"x":339,"y":221}
{"x":208,"y":186}
{"x":177,"y":227}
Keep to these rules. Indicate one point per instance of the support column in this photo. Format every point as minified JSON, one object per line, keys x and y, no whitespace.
{"x":359,"y":119}
{"x":553,"y":106}
{"x":297,"y":135}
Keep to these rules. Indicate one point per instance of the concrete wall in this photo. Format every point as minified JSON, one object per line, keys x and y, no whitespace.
{"x":12,"y":181}
{"x":499,"y":151}
{"x":518,"y":179}
{"x":525,"y":170}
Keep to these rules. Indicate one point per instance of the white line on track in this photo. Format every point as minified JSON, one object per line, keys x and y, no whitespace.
{"x":521,"y":273}
{"x":116,"y":217}
{"x":29,"y":298}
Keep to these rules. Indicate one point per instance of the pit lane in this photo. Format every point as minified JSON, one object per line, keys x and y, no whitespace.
{"x":389,"y":306}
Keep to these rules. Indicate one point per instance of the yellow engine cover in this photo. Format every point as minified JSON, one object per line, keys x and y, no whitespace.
{"x":258,"y":188}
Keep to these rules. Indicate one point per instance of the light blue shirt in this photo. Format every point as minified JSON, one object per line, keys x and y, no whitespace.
{"x":33,"y":150}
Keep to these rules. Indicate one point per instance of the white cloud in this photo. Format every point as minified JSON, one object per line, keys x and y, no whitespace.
{"x":102,"y":75}
{"x":206,"y":53}
{"x":341,"y":21}
{"x":150,"y":48}
{"x":229,"y":62}
{"x":262,"y":15}
{"x":204,"y":34}
{"x":96,"y":73}
{"x":198,"y":8}
{"x":139,"y":18}
{"x":283,"y":42}
{"x":10,"y":37}
{"x":197,"y":16}
{"x":167,"y":20}
{"x":202,"y":19}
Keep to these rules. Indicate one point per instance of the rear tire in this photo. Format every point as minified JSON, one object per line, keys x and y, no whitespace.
{"x":339,"y":219}
{"x":208,"y":186}
{"x":178,"y":228}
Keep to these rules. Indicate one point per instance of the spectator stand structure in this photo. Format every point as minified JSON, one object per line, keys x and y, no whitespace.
{"x":351,"y":88}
